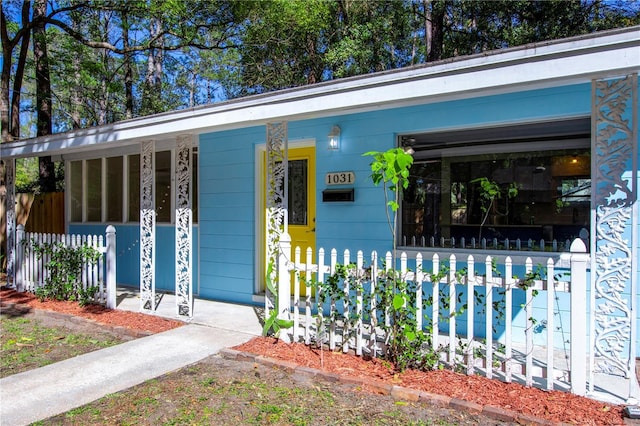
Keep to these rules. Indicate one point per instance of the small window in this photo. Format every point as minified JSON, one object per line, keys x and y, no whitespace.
{"x":114,"y":189}
{"x":164,"y":191}
{"x":75,"y":186}
{"x":133,"y":186}
{"x":94,"y":190}
{"x":298,"y":189}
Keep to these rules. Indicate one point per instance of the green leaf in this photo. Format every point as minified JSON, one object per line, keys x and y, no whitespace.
{"x":410,"y":335}
{"x":284,"y":323}
{"x":269,"y":282}
{"x":398,"y":301}
{"x":269,"y":322}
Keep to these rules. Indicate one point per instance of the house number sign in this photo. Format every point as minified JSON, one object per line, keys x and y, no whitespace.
{"x":340,"y":178}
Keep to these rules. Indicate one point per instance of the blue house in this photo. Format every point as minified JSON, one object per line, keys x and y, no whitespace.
{"x":191,"y":192}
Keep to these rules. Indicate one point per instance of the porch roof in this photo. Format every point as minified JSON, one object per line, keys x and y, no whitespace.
{"x":541,"y":65}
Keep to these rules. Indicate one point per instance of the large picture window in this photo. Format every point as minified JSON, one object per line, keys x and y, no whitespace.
{"x":501,"y":193}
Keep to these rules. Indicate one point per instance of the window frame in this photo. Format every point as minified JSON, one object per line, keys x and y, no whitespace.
{"x":125,"y":153}
{"x":576,"y":140}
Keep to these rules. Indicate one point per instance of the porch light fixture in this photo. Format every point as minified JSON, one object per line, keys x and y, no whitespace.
{"x":334,"y":138}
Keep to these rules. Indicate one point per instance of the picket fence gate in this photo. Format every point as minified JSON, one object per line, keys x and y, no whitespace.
{"x":32,"y":271}
{"x":478,"y":355}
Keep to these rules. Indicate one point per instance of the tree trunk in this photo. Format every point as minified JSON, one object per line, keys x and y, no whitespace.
{"x":426,"y":4}
{"x":10,"y":119}
{"x":5,"y":79}
{"x":76,"y":100}
{"x":43,"y":92}
{"x":128,"y":73}
{"x":438,"y":10}
{"x":17,"y":85}
{"x":153,"y":79}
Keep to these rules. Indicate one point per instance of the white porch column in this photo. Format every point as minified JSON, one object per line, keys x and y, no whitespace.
{"x":147,"y":227}
{"x":614,"y":229}
{"x":184,"y":222}
{"x":10,"y":200}
{"x":276,"y":200}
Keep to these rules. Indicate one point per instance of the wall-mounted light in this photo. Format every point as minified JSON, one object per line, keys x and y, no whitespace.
{"x":334,"y":138}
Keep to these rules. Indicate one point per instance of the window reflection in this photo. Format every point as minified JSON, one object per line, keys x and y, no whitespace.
{"x":524,"y":195}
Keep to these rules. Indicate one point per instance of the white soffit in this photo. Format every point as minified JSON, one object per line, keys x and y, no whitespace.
{"x":542,"y":65}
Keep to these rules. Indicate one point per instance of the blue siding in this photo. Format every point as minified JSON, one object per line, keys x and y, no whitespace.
{"x":227,"y":214}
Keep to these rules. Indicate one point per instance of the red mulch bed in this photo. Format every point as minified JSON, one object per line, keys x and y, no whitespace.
{"x":551,"y":405}
{"x":131,"y":320}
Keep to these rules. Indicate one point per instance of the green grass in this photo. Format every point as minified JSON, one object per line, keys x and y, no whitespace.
{"x":26,"y":344}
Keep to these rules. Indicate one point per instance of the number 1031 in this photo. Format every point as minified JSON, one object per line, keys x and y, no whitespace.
{"x":340,"y":178}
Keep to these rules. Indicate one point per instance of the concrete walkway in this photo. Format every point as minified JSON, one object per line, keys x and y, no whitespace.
{"x":37,"y":394}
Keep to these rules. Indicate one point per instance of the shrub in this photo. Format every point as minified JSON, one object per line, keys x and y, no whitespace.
{"x":64,"y":281}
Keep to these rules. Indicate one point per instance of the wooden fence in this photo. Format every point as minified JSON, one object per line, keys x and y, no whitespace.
{"x":32,"y":270}
{"x":46,"y":214}
{"x":356,"y":323}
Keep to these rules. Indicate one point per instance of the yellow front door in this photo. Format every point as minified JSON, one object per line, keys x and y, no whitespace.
{"x":301,"y":202}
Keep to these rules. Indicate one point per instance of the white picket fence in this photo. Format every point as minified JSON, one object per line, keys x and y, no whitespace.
{"x":32,"y":271}
{"x":355,"y":326}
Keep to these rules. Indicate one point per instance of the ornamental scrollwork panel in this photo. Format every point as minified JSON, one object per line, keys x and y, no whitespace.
{"x":9,"y":168}
{"x":184,"y":219}
{"x":147,"y":227}
{"x":276,"y":148}
{"x":614,"y":179}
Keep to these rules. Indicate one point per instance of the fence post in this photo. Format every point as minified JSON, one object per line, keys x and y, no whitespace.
{"x":19,"y":258}
{"x":284,"y":285}
{"x":579,"y":259}
{"x":111,"y":266}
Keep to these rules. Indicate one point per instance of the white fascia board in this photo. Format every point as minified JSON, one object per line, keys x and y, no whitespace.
{"x":523,"y":68}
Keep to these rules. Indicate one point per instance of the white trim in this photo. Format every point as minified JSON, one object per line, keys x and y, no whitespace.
{"x":84,"y":191}
{"x":67,"y":198}
{"x":196,"y":225}
{"x":259,"y":247}
{"x":172,"y":190}
{"x":506,"y":146}
{"x":103,"y":194}
{"x":495,"y":125}
{"x":549,"y":64}
{"x":125,"y":189}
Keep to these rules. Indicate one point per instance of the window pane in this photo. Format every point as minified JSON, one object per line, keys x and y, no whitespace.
{"x":163,"y":186}
{"x":75,"y":206}
{"x":524,"y":195}
{"x":134,"y":188}
{"x":297,"y":192}
{"x":94,"y":190}
{"x":114,"y":189}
